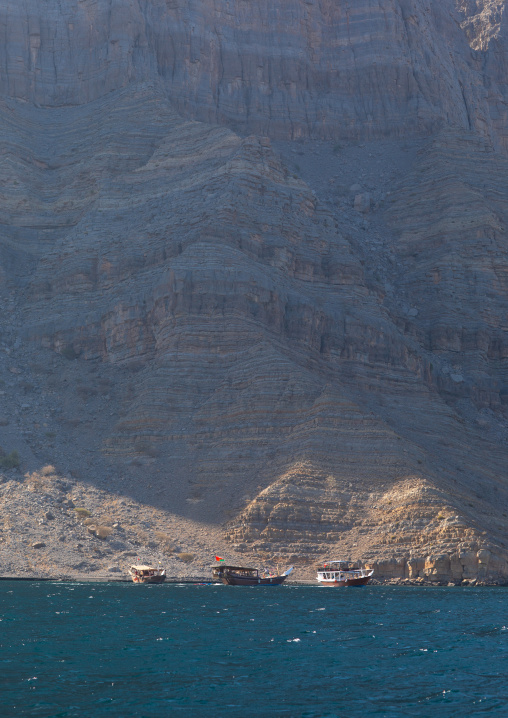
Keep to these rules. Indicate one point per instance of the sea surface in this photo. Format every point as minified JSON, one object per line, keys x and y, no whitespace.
{"x":69,"y":649}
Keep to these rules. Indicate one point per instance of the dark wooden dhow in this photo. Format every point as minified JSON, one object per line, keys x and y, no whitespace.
{"x":147,"y":574}
{"x":243,"y":576}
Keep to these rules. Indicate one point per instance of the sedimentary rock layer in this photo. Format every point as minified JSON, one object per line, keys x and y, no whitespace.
{"x":322,"y":69}
{"x":231,"y":346}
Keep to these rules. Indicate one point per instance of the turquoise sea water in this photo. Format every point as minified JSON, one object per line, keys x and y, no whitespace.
{"x":189,"y":650}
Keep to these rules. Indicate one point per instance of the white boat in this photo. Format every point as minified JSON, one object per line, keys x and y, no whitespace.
{"x":343,"y":573}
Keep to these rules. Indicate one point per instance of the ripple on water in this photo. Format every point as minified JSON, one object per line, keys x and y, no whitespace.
{"x":183,"y":649}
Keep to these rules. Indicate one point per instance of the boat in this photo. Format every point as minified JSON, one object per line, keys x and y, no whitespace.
{"x":243,"y":576}
{"x":343,"y":573}
{"x":147,"y":574}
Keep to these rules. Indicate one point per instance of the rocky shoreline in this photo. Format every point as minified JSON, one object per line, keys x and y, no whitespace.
{"x":58,"y":528}
{"x":206,"y":580}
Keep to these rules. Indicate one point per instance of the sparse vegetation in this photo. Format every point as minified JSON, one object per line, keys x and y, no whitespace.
{"x":164,"y":540}
{"x":82,"y":513}
{"x":142,"y":537}
{"x":85,"y":391}
{"x":68,"y":352}
{"x":102,"y":532}
{"x":186,"y":557}
{"x":10,"y":461}
{"x":143,"y":446}
{"x":104,"y":385}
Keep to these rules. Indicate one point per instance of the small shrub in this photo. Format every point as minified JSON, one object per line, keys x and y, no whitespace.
{"x":34,"y":481}
{"x":50,"y":434}
{"x":82,"y":513}
{"x":142,"y":446}
{"x":104,"y":384}
{"x":165,"y":540}
{"x":136,"y":366}
{"x":186,"y":557}
{"x":102,"y":532}
{"x":10,"y":461}
{"x":143,"y":537}
{"x":84,"y":391}
{"x":68,"y":352}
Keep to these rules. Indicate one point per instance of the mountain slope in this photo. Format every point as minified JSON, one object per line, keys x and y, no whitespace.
{"x":302,"y":342}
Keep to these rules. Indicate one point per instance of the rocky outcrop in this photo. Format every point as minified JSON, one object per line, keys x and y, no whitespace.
{"x":188,"y":321}
{"x":465,"y":566}
{"x":450,"y":221}
{"x":407,"y":530}
{"x":292,"y":69}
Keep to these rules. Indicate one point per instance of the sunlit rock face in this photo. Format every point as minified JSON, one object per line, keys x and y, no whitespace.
{"x":326,"y":374}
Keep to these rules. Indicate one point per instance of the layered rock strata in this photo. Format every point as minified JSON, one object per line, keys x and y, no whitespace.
{"x":327,"y":69}
{"x":187,"y":320}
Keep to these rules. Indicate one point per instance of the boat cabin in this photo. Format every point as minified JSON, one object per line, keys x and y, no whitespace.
{"x":147,"y":574}
{"x":219,"y":571}
{"x":246,"y":576}
{"x":144,"y":570}
{"x":343,"y":573}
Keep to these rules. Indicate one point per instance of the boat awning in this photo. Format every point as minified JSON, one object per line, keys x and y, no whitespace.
{"x":143,"y":568}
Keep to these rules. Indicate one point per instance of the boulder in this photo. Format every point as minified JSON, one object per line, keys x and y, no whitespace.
{"x":390,"y":568}
{"x":456,"y":567}
{"x":414,"y":566}
{"x":469,"y":561}
{"x":362,"y":202}
{"x":437,"y":568}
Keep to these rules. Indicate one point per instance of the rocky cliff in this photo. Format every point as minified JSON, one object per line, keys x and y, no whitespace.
{"x":368,"y":68}
{"x":254,"y":271}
